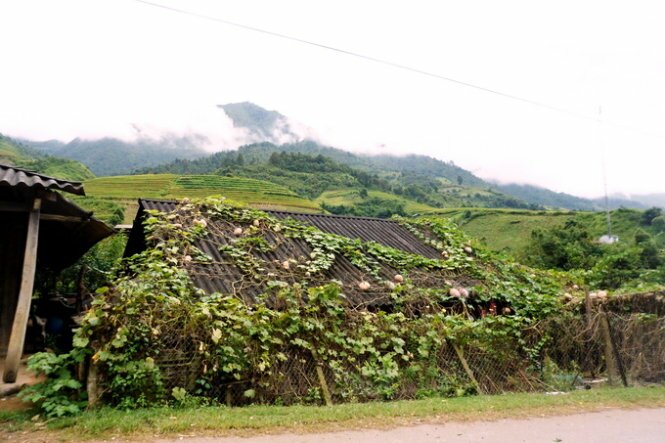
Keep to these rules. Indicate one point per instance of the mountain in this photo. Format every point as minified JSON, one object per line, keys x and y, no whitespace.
{"x":339,"y":178}
{"x":416,"y":165}
{"x":15,"y":153}
{"x":651,"y":199}
{"x":645,"y":200}
{"x":545,"y":197}
{"x":261,"y":125}
{"x":550,"y":199}
{"x":265,"y":132}
{"x":111,"y":156}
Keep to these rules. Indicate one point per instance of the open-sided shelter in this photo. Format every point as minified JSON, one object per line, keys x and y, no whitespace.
{"x":38,"y":228}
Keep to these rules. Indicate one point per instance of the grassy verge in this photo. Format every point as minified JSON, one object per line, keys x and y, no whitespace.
{"x":142,"y":423}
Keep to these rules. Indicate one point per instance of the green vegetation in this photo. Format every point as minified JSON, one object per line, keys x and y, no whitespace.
{"x":17,"y":154}
{"x":569,"y":241}
{"x":108,"y":423}
{"x":369,"y":203}
{"x":311,"y":170}
{"x":110,"y":156}
{"x":124,"y":190}
{"x":370,"y":353}
{"x":504,"y":230}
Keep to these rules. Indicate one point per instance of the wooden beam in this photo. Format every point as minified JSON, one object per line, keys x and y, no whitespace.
{"x":14,"y":207}
{"x":62,"y":218}
{"x":19,"y":207}
{"x":17,"y":338}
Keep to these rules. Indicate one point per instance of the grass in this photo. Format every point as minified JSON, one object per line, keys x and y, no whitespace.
{"x":141,"y":423}
{"x":349,"y":197}
{"x":509,"y":230}
{"x":505,"y":230}
{"x":125,"y":190}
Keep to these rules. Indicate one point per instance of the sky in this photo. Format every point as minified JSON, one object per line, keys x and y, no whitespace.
{"x":95,"y":68}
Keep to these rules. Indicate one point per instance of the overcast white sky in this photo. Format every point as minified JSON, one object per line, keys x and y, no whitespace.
{"x":92,"y":68}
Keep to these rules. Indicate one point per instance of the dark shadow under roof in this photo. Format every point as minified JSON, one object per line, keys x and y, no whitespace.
{"x":66,"y":231}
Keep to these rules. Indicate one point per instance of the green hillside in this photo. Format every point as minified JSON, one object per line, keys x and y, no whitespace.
{"x":510,"y":230}
{"x":17,"y":154}
{"x":111,"y":156}
{"x":256,"y":193}
{"x":419,"y":165}
{"x":310,"y":169}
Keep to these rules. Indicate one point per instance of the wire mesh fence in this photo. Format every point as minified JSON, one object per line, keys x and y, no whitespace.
{"x":597,"y":344}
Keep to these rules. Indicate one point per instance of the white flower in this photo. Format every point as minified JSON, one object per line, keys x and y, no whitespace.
{"x":364,"y":285}
{"x":464,"y":292}
{"x":237,"y":231}
{"x":454,"y":292}
{"x":256,"y":223}
{"x":468,"y":249}
{"x":286,"y":265}
{"x":398,"y":278}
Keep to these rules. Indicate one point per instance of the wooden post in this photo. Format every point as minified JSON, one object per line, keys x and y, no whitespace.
{"x":324,"y":385}
{"x":588,"y":303}
{"x":465,"y":365}
{"x":609,"y":341}
{"x":610,"y":364}
{"x":92,"y":385}
{"x":17,"y":338}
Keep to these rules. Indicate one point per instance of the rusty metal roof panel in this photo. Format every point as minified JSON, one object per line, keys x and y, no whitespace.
{"x":23,"y":178}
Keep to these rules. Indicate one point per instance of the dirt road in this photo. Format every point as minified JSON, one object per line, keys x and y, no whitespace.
{"x":625,"y":426}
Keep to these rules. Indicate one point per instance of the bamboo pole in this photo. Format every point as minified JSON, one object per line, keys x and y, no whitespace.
{"x":17,"y":338}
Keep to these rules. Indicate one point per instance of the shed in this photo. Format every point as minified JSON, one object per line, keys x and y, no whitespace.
{"x":38,"y":228}
{"x":221,"y":276}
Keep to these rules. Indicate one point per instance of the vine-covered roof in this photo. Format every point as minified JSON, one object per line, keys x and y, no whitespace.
{"x":244,"y":252}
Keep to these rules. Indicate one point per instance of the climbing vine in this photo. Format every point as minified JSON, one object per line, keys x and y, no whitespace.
{"x":424,"y":305}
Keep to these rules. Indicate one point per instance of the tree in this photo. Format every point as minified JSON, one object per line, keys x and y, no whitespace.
{"x":460,"y":180}
{"x":650,"y":214}
{"x":658,"y":223}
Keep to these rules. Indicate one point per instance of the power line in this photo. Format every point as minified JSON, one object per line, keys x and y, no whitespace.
{"x":392,"y":64}
{"x":358,"y":55}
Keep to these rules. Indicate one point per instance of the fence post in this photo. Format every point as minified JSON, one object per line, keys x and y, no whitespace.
{"x":610,"y":345}
{"x":465,"y":365}
{"x":327,"y":398}
{"x":607,"y":347}
{"x":92,"y":386}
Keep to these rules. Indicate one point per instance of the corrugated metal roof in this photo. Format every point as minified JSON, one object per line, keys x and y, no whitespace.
{"x":386,"y":232}
{"x":23,"y":178}
{"x":221,"y":275}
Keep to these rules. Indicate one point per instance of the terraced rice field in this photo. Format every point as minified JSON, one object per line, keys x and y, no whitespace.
{"x":256,"y":193}
{"x":351,"y":196}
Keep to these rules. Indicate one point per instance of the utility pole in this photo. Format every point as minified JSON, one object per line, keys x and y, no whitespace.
{"x":599,"y":131}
